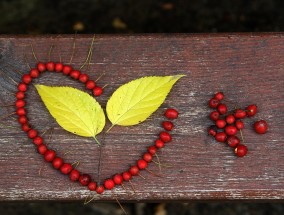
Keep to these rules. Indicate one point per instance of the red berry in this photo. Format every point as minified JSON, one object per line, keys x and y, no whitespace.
{"x":20,"y":95}
{"x":142,"y":164}
{"x":26,"y":78}
{"x":240,"y":114}
{"x":221,"y":137}
{"x":49,"y":155}
{"x":219,"y":96}
{"x":38,"y":140}
{"x":147,"y":157}
{"x":34,"y":73}
{"x":50,"y":66}
{"x":134,"y":170}
{"x":220,"y":123}
{"x":57,"y":163}
{"x":117,"y":178}
{"x":231,"y":130}
{"x":58,"y":67}
{"x":41,"y":67}
{"x":251,"y":110}
{"x":109,"y":184}
{"x":233,"y":141}
{"x":168,"y":125}
{"x":32,"y":133}
{"x":21,"y":111}
{"x":26,"y":127}
{"x":239,"y":124}
{"x":230,"y":119}
{"x":42,"y":149}
{"x":22,"y":87}
{"x":165,"y":137}
{"x":213,"y":103}
{"x":92,"y":186}
{"x":90,"y":84}
{"x":222,"y":108}
{"x":20,"y":103}
{"x":66,"y":168}
{"x":152,"y":150}
{"x":74,"y":175}
{"x":83,"y":78}
{"x":23,"y":120}
{"x":171,"y":113}
{"x":126,"y":176}
{"x":260,"y":126}
{"x":85,"y":179}
{"x":75,"y":74}
{"x":241,"y":150}
{"x":97,"y":91}
{"x":66,"y":70}
{"x":100,"y":189}
{"x":159,"y":144}
{"x":212,"y":130}
{"x":214,"y":115}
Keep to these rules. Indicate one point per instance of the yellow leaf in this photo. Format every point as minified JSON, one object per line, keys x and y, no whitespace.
{"x":135,"y":101}
{"x":74,"y":110}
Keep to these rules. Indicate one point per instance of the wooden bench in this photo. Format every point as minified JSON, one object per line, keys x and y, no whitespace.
{"x":248,"y":68}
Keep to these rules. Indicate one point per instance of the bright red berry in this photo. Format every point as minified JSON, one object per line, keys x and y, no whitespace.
{"x":66,"y":70}
{"x":32,"y":133}
{"x":152,"y":150}
{"x":220,"y":123}
{"x":165,"y":137}
{"x":26,"y":79}
{"x":97,"y":91}
{"x":38,"y":140}
{"x":42,"y":149}
{"x":159,"y":144}
{"x":34,"y":73}
{"x":126,"y":176}
{"x":109,"y":184}
{"x":219,"y":96}
{"x":90,"y":84}
{"x":57,"y":163}
{"x":142,"y":164}
{"x":241,"y":150}
{"x":171,"y":113}
{"x":49,"y":155}
{"x":85,"y":179}
{"x":22,"y":87}
{"x":20,"y":95}
{"x":167,"y":125}
{"x":233,"y":141}
{"x":212,"y":130}
{"x":240,"y":114}
{"x":100,"y":189}
{"x":23,"y":120}
{"x":239,"y":124}
{"x":20,"y":103}
{"x":147,"y":157}
{"x":231,"y":130}
{"x":92,"y":186}
{"x":260,"y":126}
{"x":21,"y":111}
{"x":75,"y":74}
{"x":118,"y":179}
{"x":134,"y":170}
{"x":230,"y":119}
{"x":50,"y":66}
{"x":26,"y":127}
{"x":251,"y":110}
{"x":41,"y":67}
{"x":83,"y":78}
{"x":221,"y":137}
{"x":222,"y":108}
{"x":58,"y":67}
{"x":74,"y":175}
{"x":214,"y":115}
{"x":213,"y":103}
{"x":66,"y":168}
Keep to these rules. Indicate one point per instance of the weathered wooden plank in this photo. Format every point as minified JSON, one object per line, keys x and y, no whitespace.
{"x":248,"y":68}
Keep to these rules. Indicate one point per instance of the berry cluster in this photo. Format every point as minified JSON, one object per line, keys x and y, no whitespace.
{"x":228,"y":124}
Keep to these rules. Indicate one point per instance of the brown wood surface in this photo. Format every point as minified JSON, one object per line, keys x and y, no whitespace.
{"x":248,"y":68}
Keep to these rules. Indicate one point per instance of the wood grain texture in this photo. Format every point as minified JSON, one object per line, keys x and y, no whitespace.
{"x":248,"y":68}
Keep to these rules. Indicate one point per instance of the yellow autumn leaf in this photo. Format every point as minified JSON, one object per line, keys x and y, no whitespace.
{"x":74,"y":110}
{"x":135,"y":101}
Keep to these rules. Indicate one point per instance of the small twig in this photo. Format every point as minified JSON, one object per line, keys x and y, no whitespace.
{"x":89,"y":53}
{"x":159,"y":163}
{"x":90,"y":200}
{"x":73,"y":48}
{"x":7,"y":115}
{"x":26,"y":61}
{"x":34,"y":54}
{"x":50,"y":50}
